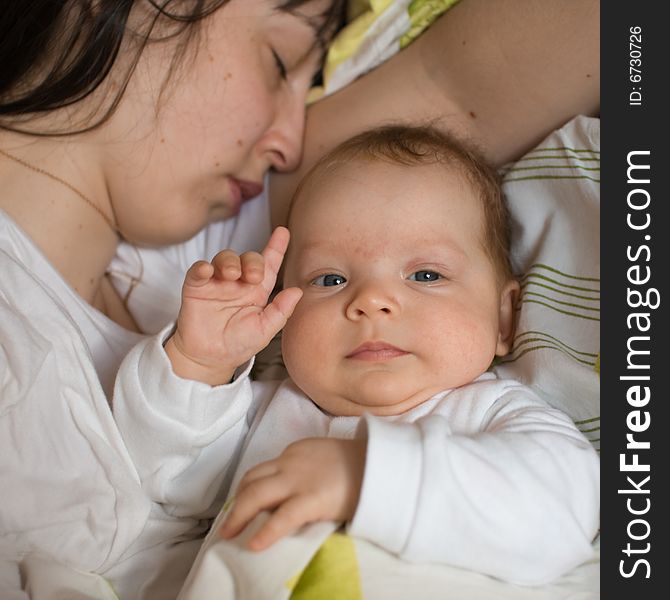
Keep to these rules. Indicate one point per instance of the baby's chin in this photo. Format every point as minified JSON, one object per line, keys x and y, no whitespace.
{"x":387,"y":406}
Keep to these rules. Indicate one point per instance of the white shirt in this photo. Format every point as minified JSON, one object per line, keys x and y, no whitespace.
{"x":486,"y":477}
{"x":70,"y":489}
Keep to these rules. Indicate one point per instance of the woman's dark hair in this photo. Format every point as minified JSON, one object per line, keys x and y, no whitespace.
{"x":55,"y":53}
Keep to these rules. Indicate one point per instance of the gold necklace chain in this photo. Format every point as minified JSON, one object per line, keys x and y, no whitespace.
{"x":133,"y":280}
{"x":85,"y":198}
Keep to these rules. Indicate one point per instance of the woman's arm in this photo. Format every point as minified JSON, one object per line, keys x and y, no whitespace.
{"x":504,"y":73}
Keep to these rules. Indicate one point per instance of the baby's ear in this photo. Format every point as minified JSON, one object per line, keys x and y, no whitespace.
{"x":509,"y":295}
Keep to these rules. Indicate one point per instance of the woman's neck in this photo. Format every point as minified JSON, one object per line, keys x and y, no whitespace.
{"x":73,"y":236}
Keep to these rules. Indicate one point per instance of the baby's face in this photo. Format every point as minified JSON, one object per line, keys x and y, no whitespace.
{"x":400,"y":298}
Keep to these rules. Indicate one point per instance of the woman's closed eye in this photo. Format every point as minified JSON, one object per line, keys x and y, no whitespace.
{"x":328,"y":280}
{"x":281,"y":66}
{"x":425,"y":276}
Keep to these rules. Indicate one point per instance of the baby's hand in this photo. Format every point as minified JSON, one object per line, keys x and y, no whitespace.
{"x":317,"y":479}
{"x":223,"y":320}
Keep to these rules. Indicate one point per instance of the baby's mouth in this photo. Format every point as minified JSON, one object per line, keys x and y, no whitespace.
{"x":376,"y":351}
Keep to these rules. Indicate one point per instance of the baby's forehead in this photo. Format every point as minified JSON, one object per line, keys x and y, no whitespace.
{"x":381,"y":185}
{"x":367,"y":215}
{"x":370,"y":174}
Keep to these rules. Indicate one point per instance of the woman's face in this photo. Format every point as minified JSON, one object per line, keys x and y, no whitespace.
{"x":177,"y":161}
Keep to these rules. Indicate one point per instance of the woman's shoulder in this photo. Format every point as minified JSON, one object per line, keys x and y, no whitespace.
{"x":32,"y":321}
{"x":36,"y":323}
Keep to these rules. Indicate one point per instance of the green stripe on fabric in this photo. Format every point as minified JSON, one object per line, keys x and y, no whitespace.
{"x":567,"y":351}
{"x":590,"y":430}
{"x":570,"y":304}
{"x":564,"y":148}
{"x":525,"y":278}
{"x":508,"y":180}
{"x":560,"y":156}
{"x":548,"y":347}
{"x":568,"y":275}
{"x":559,"y":291}
{"x":551,"y":337}
{"x":558,"y":310}
{"x":542,"y":167}
{"x":591,"y":420}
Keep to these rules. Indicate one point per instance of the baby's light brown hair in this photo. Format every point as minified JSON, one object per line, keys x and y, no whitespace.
{"x":425,"y":145}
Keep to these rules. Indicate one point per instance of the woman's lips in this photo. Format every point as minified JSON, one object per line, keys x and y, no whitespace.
{"x":242,"y":190}
{"x":248,"y":189}
{"x":376,"y":351}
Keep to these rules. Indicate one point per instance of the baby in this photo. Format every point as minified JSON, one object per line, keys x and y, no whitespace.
{"x":397,"y":296}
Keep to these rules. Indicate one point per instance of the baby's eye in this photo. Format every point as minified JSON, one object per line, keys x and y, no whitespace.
{"x":328,"y":280}
{"x":425,"y":276}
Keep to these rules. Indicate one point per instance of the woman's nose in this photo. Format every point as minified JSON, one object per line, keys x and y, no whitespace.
{"x":282,"y":143}
{"x":373,"y":301}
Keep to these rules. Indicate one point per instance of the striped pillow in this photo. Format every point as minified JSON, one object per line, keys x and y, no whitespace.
{"x":554,"y":197}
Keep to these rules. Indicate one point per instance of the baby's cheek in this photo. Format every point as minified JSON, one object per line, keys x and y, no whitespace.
{"x":466,"y":344}
{"x":303,"y":347}
{"x":290,"y":346}
{"x":479,"y":345}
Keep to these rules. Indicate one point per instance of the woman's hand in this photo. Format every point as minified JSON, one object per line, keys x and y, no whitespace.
{"x":223,"y":320}
{"x":317,"y":479}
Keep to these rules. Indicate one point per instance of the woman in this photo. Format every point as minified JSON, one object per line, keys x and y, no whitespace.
{"x":117,"y":175}
{"x":173,"y":138}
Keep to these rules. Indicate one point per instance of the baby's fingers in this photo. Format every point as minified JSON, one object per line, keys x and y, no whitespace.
{"x":264,"y":493}
{"x":249,"y":267}
{"x":253,"y":267}
{"x":199,"y":273}
{"x":227,"y":265}
{"x":275,"y":249}
{"x":285,"y":520}
{"x":260,"y":471}
{"x":280,"y":309}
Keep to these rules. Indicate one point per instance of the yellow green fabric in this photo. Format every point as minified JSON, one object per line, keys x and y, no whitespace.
{"x":332,"y":573}
{"x":362,"y":14}
{"x":347,"y":41}
{"x":422,"y":13}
